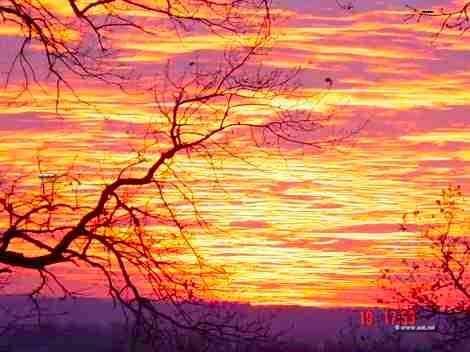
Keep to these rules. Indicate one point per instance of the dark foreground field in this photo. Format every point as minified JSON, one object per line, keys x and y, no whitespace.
{"x":91,"y":325}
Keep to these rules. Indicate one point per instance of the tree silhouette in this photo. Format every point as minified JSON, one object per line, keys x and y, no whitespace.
{"x":453,"y":19}
{"x":437,"y":285}
{"x":137,"y":228}
{"x":75,"y":37}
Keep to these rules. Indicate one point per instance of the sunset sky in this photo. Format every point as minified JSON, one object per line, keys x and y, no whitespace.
{"x":292,"y":226}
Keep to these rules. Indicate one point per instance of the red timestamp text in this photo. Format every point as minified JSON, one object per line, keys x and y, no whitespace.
{"x":388,"y":317}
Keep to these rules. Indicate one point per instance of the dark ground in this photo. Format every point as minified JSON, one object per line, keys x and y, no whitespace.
{"x":94,"y":325}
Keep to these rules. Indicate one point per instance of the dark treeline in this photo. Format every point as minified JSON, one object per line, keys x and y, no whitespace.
{"x":114,"y":337}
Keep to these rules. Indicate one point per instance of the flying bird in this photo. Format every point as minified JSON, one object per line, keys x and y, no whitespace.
{"x":329,"y":81}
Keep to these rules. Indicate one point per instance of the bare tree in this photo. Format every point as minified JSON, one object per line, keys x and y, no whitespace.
{"x":75,"y":37}
{"x":452,"y":19}
{"x":126,"y":239}
{"x":66,"y":231}
{"x":437,"y":285}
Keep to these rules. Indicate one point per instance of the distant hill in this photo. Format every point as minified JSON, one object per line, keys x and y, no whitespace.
{"x":305,"y":325}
